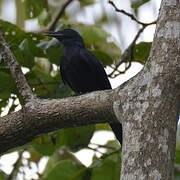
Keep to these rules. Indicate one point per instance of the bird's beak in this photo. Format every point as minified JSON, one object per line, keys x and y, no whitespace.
{"x":53,"y":34}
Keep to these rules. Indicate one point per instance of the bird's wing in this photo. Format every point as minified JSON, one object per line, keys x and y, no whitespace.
{"x":83,"y":72}
{"x":97,"y":68}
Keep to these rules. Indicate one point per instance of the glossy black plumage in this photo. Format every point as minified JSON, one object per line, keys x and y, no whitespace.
{"x":81,"y":70}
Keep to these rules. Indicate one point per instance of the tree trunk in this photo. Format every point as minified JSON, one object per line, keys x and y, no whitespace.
{"x":148,"y":105}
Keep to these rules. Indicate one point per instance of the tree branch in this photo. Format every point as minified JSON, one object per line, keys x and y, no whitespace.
{"x":41,"y":116}
{"x":128,"y":53}
{"x":58,"y":15}
{"x":16,"y":72}
{"x":130,"y":15}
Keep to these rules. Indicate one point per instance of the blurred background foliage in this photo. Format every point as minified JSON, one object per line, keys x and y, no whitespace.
{"x":53,"y":156}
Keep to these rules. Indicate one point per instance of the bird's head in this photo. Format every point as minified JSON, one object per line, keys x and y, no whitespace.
{"x":68,"y":37}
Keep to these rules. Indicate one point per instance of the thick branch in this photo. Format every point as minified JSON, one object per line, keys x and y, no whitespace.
{"x":148,"y":105}
{"x":16,"y":71}
{"x":42,"y":116}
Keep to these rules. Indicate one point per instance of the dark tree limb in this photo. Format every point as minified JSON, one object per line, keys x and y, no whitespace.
{"x":41,"y":116}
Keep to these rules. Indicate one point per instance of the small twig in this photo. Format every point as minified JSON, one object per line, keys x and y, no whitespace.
{"x":111,"y":153}
{"x":128,"y":53}
{"x":129,"y":15}
{"x":103,"y":146}
{"x":16,"y":72}
{"x":115,"y":69}
{"x":95,"y":149}
{"x":58,"y":15}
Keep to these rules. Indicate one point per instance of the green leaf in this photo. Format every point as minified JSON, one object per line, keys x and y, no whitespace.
{"x":44,"y":145}
{"x":45,"y":17}
{"x":177,"y":157}
{"x":110,"y":49}
{"x":34,"y":8}
{"x":34,"y":155}
{"x":3,"y":103}
{"x":141,"y":52}
{"x":105,"y":58}
{"x":77,"y":137}
{"x":59,"y":155}
{"x":66,"y":170}
{"x":73,"y":138}
{"x":45,"y":85}
{"x":92,"y":34}
{"x":176,"y":175}
{"x":137,"y":3}
{"x":14,"y":35}
{"x":53,"y":49}
{"x":7,"y":85}
{"x":2,"y":175}
{"x":103,"y":126}
{"x":86,"y":2}
{"x":24,"y":54}
{"x":107,"y":169}
{"x":27,"y":49}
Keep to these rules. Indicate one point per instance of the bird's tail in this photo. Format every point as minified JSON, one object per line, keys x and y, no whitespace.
{"x":117,"y":129}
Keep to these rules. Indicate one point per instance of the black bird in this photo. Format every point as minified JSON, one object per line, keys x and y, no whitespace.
{"x":81,"y":70}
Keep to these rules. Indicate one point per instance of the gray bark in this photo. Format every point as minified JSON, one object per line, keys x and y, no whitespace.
{"x":147,"y":105}
{"x":44,"y":115}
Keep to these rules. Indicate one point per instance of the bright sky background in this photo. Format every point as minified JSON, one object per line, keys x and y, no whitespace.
{"x":128,"y":30}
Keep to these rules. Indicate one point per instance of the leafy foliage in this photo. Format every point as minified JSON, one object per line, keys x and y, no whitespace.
{"x":73,"y":138}
{"x":34,"y":8}
{"x":2,"y":175}
{"x":141,"y":52}
{"x":66,"y":170}
{"x":137,"y":3}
